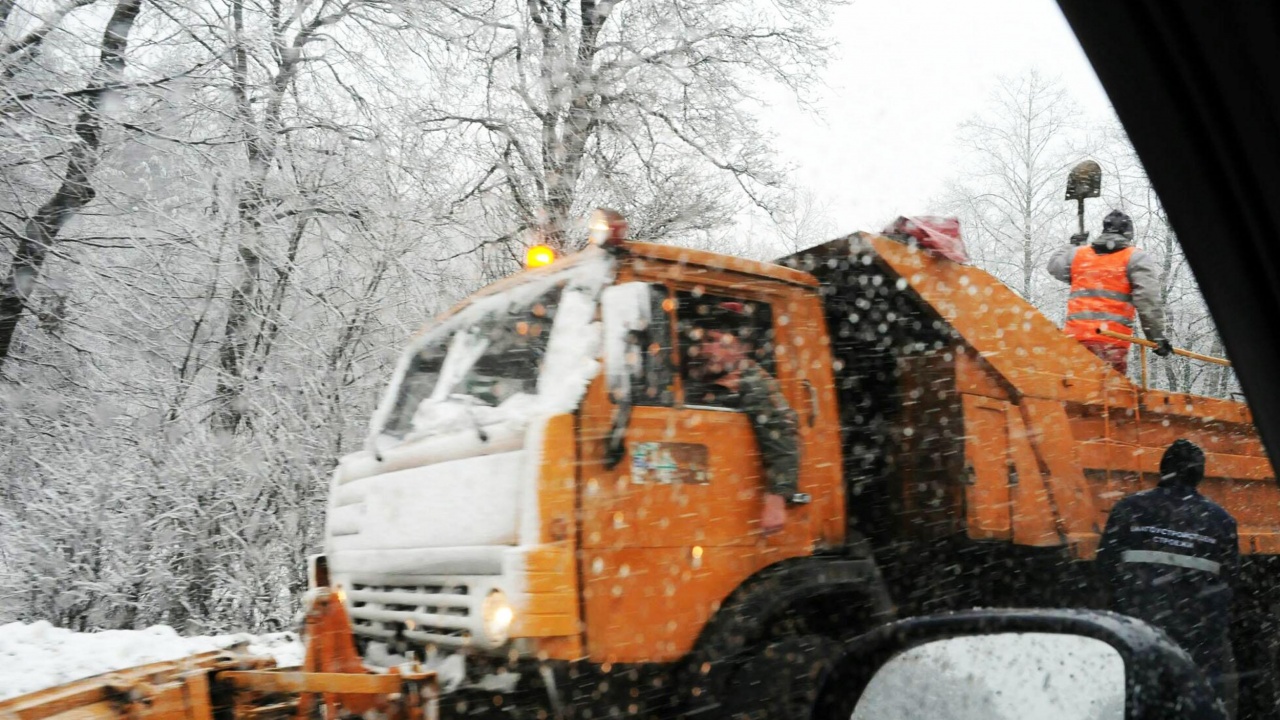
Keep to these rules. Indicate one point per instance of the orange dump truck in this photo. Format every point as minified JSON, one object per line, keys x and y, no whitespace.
{"x":546,"y":503}
{"x":549,"y":516}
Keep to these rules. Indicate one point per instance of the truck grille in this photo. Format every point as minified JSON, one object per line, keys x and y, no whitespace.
{"x":444,"y":613}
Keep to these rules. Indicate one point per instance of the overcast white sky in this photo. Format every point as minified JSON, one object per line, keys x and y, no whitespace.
{"x":906,"y":74}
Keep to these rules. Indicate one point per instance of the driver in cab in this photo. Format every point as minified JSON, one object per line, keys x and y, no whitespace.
{"x":724,"y":374}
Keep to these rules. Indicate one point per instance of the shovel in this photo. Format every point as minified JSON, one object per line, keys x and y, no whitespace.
{"x":1084,"y":181}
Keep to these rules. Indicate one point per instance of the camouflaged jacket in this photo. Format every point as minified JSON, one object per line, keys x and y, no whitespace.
{"x":773,"y":422}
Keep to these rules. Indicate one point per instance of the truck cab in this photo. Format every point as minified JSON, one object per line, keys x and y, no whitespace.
{"x":543,"y":478}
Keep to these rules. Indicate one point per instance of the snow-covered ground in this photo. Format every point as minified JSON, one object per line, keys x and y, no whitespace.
{"x":37,"y":655}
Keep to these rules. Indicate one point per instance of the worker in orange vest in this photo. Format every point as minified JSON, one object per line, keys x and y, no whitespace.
{"x":1111,"y":282}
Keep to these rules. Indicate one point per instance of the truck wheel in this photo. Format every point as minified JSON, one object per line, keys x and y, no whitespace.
{"x":781,"y":680}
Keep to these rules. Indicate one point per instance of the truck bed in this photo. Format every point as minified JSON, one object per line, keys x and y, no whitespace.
{"x":966,"y":411}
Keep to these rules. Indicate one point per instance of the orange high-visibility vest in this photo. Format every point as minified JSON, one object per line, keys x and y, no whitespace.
{"x":1101,"y":296}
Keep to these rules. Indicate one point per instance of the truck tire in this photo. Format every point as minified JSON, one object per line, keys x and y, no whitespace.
{"x":781,"y":680}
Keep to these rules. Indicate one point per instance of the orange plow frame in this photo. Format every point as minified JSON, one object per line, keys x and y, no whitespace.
{"x":203,"y":686}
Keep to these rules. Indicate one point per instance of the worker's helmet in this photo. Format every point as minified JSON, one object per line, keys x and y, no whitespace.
{"x":1119,"y":223}
{"x":1182,"y":463}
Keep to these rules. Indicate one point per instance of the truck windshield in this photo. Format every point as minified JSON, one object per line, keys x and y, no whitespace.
{"x":488,"y":354}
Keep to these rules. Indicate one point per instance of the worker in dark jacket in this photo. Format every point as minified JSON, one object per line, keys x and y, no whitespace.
{"x":1111,"y":281}
{"x":727,"y":376}
{"x":1170,"y":556}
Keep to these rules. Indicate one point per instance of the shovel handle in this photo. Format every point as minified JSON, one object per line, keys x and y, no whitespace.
{"x":1176,"y":351}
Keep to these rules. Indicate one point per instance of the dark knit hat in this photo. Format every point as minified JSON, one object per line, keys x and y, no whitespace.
{"x":1119,"y":223}
{"x":1182,"y":463}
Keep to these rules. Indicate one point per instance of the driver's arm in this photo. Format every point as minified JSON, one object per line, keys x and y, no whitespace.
{"x":775,"y":427}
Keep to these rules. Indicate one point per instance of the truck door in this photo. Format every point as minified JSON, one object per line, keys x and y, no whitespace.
{"x":710,"y":414}
{"x":674,"y":526}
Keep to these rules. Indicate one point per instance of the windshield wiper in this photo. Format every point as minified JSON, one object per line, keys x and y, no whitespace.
{"x":469,"y":402}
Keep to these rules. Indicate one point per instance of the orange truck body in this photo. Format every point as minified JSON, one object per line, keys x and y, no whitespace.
{"x":1004,"y":433}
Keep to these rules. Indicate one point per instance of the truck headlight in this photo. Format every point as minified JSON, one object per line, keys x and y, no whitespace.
{"x":497,"y":615}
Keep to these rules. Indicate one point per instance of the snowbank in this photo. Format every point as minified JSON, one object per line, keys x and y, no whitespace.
{"x":37,"y":655}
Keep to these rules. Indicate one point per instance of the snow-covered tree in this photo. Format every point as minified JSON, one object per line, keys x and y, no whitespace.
{"x":1009,"y":192}
{"x":636,"y":104}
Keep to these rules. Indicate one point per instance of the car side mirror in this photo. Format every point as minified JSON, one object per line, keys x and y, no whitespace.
{"x":1061,"y":664}
{"x":625,"y":312}
{"x":1017,"y":675}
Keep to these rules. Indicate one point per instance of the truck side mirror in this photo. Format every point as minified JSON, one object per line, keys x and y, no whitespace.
{"x":626,"y":314}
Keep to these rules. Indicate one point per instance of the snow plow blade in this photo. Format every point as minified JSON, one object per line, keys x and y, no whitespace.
{"x":235,"y":685}
{"x":172,"y":689}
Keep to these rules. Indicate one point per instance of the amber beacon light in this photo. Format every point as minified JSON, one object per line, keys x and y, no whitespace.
{"x":539,"y":256}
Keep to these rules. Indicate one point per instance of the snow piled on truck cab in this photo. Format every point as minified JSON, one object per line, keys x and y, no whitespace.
{"x":447,"y":493}
{"x":470,"y":394}
{"x":567,"y":364}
